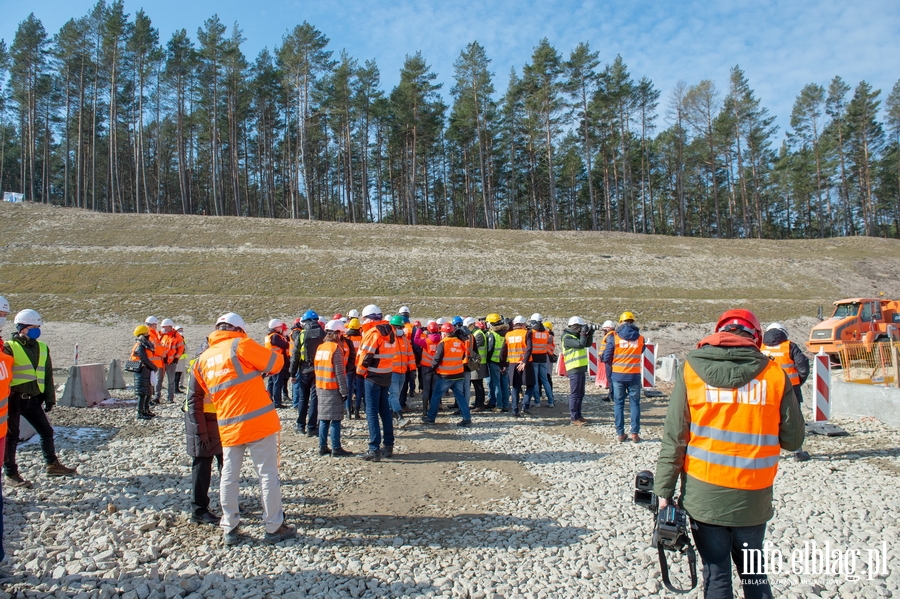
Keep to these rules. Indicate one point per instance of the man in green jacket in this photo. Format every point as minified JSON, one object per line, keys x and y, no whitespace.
{"x":731,"y":412}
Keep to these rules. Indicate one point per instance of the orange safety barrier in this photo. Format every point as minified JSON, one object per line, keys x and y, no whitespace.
{"x":870,"y":364}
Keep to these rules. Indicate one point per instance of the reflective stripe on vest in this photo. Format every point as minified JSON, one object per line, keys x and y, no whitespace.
{"x":428,"y":353}
{"x":272,"y":346}
{"x":454,"y":356}
{"x":242,"y":377}
{"x":23,"y":371}
{"x":781,"y":354}
{"x":574,"y":357}
{"x":539,"y":342}
{"x":324,"y":365}
{"x":381,"y":349}
{"x":498,"y":347}
{"x":516,"y":345}
{"x":405,"y":360}
{"x":482,"y":349}
{"x":733,"y":440}
{"x":6,"y":364}
{"x":627,"y":355}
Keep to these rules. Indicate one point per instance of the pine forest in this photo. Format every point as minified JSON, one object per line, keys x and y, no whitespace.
{"x":106,"y":116}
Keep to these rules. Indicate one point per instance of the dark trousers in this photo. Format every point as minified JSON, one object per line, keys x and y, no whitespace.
{"x":31,"y":410}
{"x":427,"y":387}
{"x":276,"y":385}
{"x":411,"y":377}
{"x":576,"y":393}
{"x":306,"y":401}
{"x":478,"y":386}
{"x":201,"y":476}
{"x":404,"y":387}
{"x":718,"y":547}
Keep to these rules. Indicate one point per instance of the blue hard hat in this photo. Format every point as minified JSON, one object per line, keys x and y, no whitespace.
{"x":457,"y":321}
{"x":310,"y":315}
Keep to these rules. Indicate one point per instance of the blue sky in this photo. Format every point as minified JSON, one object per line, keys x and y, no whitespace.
{"x":781,"y":45}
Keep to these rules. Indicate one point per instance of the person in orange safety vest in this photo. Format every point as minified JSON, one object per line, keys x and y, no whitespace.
{"x":231,"y":372}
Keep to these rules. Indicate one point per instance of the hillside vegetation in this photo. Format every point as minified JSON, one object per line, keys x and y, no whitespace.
{"x":78,"y":265}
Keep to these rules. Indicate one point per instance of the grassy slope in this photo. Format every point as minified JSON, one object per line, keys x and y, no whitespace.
{"x":83,"y":266}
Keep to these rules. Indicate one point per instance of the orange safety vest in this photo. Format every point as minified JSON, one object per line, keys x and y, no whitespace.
{"x":380,"y":347}
{"x":733,"y":441}
{"x":781,"y":355}
{"x":516,"y":345}
{"x":428,"y":353}
{"x":551,"y":344}
{"x":356,"y":340}
{"x":231,"y":372}
{"x":454,"y":357}
{"x":159,"y":351}
{"x":173,"y":344}
{"x":6,"y":366}
{"x":627,"y":355}
{"x":275,"y":348}
{"x":539,"y":342}
{"x":326,"y":378}
{"x":406,"y":359}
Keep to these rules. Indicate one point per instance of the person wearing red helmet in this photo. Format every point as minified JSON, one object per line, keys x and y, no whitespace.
{"x":730,"y":414}
{"x":427,"y":340}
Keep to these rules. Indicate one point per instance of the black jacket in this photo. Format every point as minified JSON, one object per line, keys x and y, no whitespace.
{"x":201,"y":429}
{"x":306,"y":342}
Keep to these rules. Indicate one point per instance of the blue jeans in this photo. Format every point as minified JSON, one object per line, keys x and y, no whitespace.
{"x":633,"y":389}
{"x":351,"y":386}
{"x":275,"y":385}
{"x":718,"y":547}
{"x":335,"y":426}
{"x":542,"y":378}
{"x":440,"y":387}
{"x":397,"y":379}
{"x":305,"y":399}
{"x":499,"y":387}
{"x":377,"y":405}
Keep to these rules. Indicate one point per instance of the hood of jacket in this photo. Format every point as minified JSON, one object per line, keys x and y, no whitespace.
{"x":538,"y":326}
{"x":220,"y":336}
{"x":775,"y":337}
{"x":628,"y":331}
{"x":729,"y":366}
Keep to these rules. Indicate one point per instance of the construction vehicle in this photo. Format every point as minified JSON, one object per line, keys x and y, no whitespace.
{"x":856,"y":320}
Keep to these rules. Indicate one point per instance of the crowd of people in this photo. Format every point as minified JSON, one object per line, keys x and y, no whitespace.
{"x":735,"y":405}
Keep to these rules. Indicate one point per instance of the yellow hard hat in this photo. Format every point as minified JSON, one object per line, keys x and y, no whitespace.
{"x":141,"y":330}
{"x":493,"y":318}
{"x":548,"y":325}
{"x":626,"y":316}
{"x":353,"y":324}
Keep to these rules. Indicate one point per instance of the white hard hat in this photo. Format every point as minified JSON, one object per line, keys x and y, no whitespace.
{"x":576,"y":320}
{"x":335,"y":325}
{"x":777,"y":325}
{"x":469,"y":321}
{"x":4,"y":305}
{"x":275,"y":324}
{"x":179,"y":328}
{"x":151,"y":320}
{"x":519,"y":320}
{"x":429,"y":321}
{"x":403,"y":310}
{"x":29,"y":317}
{"x":371,"y":310}
{"x":167,"y":322}
{"x":537,"y":317}
{"x":234,"y":320}
{"x":441,"y":320}
{"x":353,"y":313}
{"x":608,"y":324}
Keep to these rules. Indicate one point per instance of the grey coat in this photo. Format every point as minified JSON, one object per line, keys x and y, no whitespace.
{"x":331,"y":401}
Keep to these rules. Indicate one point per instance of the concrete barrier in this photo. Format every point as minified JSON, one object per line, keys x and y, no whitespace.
{"x":85,"y":387}
{"x":667,"y":367}
{"x":115,"y":376}
{"x":858,"y":400}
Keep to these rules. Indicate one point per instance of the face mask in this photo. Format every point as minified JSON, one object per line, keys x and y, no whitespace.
{"x":399,"y":332}
{"x":34,"y":333}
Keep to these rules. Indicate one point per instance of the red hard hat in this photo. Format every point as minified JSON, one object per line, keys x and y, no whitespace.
{"x":481,"y":325}
{"x":417,"y":323}
{"x":447,"y":327}
{"x":434,"y":327}
{"x":742,"y":319}
{"x":337,"y":316}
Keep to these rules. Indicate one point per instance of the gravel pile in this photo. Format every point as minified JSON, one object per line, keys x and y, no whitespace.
{"x":121,"y":528}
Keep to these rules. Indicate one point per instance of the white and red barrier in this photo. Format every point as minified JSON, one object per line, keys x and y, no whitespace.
{"x":593,"y":360}
{"x":648,"y":366}
{"x":821,"y":387}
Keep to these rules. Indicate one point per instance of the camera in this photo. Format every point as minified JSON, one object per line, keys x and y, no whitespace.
{"x":670,"y":528}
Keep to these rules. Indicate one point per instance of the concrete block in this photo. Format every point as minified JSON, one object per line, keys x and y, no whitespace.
{"x":85,"y":387}
{"x":666,"y":368}
{"x":26,"y":431}
{"x":115,"y":376}
{"x":858,"y":400}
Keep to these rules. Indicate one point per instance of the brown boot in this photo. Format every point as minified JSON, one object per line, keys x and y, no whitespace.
{"x":57,"y":469}
{"x":15,"y":480}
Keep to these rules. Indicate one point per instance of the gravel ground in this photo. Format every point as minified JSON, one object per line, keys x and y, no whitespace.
{"x":507,"y":508}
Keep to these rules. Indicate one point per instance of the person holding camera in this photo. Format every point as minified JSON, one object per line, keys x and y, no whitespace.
{"x":577,"y":337}
{"x":731,"y":412}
